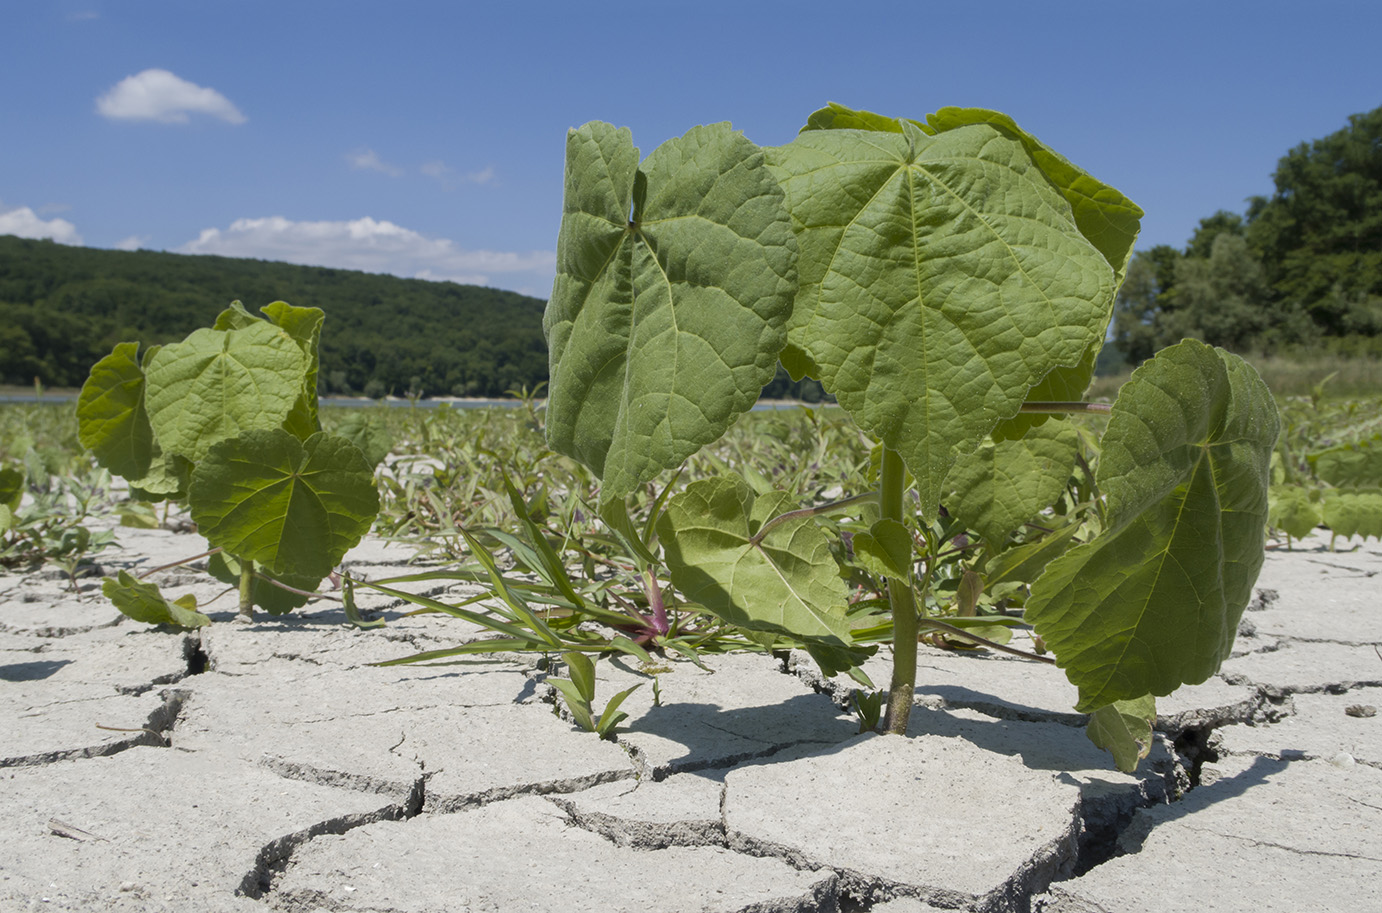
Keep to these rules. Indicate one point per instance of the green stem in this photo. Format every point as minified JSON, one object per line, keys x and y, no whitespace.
{"x":246,"y":589}
{"x":814,"y":511}
{"x":1064,"y":408}
{"x":904,"y":681}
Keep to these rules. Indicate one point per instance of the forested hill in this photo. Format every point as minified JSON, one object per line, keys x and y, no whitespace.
{"x":62,"y":308}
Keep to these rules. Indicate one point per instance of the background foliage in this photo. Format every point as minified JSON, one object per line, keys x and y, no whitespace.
{"x":1300,"y":271}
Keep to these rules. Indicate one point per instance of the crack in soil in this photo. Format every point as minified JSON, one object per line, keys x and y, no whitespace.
{"x":274,"y":857}
{"x":155,"y":733}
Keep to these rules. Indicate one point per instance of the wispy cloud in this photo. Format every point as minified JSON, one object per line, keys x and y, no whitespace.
{"x":133,"y":242}
{"x":369,"y":160}
{"x":159,"y":95}
{"x":26,"y":223}
{"x":376,"y":247}
{"x":450,"y":179}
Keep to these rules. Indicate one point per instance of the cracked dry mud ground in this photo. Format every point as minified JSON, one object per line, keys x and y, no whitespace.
{"x":268,"y":767}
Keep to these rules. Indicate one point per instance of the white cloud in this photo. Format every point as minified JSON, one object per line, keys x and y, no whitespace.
{"x":26,"y":223}
{"x":161,"y":96}
{"x":368,"y":160}
{"x":375,"y":247}
{"x":133,"y":242}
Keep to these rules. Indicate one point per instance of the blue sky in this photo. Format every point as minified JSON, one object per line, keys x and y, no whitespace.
{"x":427,"y":138}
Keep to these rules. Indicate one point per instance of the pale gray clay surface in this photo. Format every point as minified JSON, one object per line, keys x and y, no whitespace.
{"x":274,"y":766}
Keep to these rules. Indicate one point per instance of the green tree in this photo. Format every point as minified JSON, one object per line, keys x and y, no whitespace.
{"x":1201,"y":243}
{"x":1139,"y":329}
{"x":1320,"y":234}
{"x":1222,"y":299}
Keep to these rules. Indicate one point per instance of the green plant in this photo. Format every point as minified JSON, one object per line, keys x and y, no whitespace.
{"x":950,"y":282}
{"x":579,"y":693}
{"x":1328,"y":469}
{"x":49,"y":526}
{"x":227,"y":420}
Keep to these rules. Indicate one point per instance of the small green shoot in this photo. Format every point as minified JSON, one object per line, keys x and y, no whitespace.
{"x":579,"y":694}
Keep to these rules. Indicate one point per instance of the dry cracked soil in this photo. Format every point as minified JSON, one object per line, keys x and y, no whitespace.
{"x":271,"y":766}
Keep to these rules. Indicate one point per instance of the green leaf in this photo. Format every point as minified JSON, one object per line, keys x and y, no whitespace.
{"x":837,"y":117}
{"x":582,"y":673}
{"x":235,"y":317}
{"x":787,"y":583}
{"x":576,"y":702}
{"x":1108,"y":219}
{"x":1024,"y":563}
{"x":1351,"y":465}
{"x":885,"y":550}
{"x":167,"y":478}
{"x":1003,"y":485}
{"x":215,"y":384}
{"x":352,"y":611}
{"x":296,"y":507}
{"x":1294,"y":510}
{"x":1154,"y":602}
{"x":144,"y":602}
{"x":833,"y":659}
{"x":1124,"y":730}
{"x":112,"y":423}
{"x":272,"y":599}
{"x":612,"y":716}
{"x":1354,"y":512}
{"x":11,"y":487}
{"x":940,"y":279}
{"x":1063,"y":384}
{"x":674,"y":283}
{"x":304,"y":325}
{"x":369,"y":431}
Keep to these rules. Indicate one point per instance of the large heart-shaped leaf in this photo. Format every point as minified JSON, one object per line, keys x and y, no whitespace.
{"x":294,"y":506}
{"x":111,"y":420}
{"x":941,"y":278}
{"x":1002,"y":485}
{"x":786,"y":583}
{"x":674,"y":283}
{"x":1106,"y":218}
{"x":1154,"y":602}
{"x":1104,"y":215}
{"x":215,"y":384}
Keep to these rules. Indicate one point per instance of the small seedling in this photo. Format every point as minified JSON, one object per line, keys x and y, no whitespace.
{"x":579,"y":694}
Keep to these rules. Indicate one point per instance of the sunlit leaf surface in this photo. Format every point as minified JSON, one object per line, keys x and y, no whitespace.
{"x":296,"y":507}
{"x":674,"y":283}
{"x":1155,"y":601}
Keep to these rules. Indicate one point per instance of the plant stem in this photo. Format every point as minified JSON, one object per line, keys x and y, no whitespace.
{"x":179,"y":563}
{"x":1062,"y":408}
{"x":246,"y":589}
{"x":904,"y":681}
{"x":654,"y":591}
{"x":817,"y":510}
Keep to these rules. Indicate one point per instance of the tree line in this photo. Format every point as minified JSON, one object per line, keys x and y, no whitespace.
{"x":63,"y":308}
{"x":1301,"y":269}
